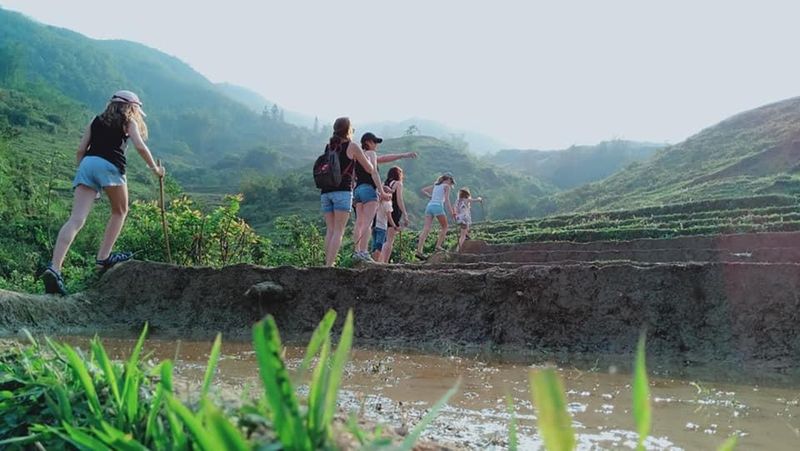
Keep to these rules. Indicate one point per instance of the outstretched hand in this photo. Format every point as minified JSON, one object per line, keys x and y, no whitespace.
{"x":411,"y":155}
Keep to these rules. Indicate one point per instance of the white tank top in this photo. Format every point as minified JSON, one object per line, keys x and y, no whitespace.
{"x":437,"y":196}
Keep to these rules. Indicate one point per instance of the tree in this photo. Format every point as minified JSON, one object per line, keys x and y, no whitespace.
{"x":275,"y":112}
{"x":412,"y":130}
{"x":316,"y":124}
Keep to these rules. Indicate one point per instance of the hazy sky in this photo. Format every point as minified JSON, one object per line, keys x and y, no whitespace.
{"x":540,"y":74}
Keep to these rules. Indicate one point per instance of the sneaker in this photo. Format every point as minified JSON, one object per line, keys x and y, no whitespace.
{"x":53,"y":281}
{"x":113,"y":259}
{"x":363,"y":256}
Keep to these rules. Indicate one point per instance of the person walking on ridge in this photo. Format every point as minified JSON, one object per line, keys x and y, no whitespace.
{"x":438,"y":207}
{"x":101,"y":167}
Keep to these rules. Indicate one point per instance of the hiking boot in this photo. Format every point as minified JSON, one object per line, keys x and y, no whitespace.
{"x":53,"y":281}
{"x":113,"y":259}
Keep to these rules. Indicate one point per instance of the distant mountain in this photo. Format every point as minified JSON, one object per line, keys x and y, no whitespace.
{"x":477,"y":143}
{"x":576,"y":165}
{"x":258,"y":104}
{"x":752,"y":153}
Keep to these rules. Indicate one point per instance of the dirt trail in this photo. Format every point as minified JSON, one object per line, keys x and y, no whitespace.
{"x":738,"y":312}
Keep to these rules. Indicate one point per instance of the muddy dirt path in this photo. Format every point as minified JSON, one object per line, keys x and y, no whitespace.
{"x":742,"y":313}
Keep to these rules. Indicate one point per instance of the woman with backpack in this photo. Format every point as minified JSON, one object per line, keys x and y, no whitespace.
{"x":337,"y":200}
{"x":438,"y":207}
{"x":101,"y":167}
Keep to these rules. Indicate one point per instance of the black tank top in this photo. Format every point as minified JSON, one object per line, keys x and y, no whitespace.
{"x":347,"y":165}
{"x":108,"y":143}
{"x":363,"y":177}
{"x":396,"y":213}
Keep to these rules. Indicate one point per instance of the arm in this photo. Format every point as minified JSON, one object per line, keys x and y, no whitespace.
{"x":144,"y":152}
{"x":398,"y":187}
{"x":447,"y":201}
{"x":428,"y":191}
{"x":390,"y":219}
{"x":395,"y":156}
{"x":83,"y":146}
{"x":364,"y":160}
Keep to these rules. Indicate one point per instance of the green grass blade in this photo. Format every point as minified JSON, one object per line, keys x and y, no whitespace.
{"x":225,"y":432}
{"x":202,"y":436}
{"x":641,"y":394}
{"x":105,"y":364}
{"x":555,"y":424}
{"x":79,"y":368}
{"x":337,"y":368}
{"x":213,"y":360}
{"x":133,"y":376}
{"x":413,"y":436}
{"x":512,"y":424}
{"x":81,"y":439}
{"x":64,"y":405}
{"x":322,"y":331}
{"x":155,"y":406}
{"x":729,"y":444}
{"x":279,"y":392}
{"x":316,"y":395}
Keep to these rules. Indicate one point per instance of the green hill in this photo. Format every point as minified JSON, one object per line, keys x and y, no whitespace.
{"x":752,"y":153}
{"x":507,"y":195}
{"x":193,"y":125}
{"x":576,"y":165}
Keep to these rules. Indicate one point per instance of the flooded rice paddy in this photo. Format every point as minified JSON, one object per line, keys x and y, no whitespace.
{"x":396,"y":388}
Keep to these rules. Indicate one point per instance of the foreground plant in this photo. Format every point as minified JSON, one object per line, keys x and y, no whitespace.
{"x":56,"y":394}
{"x":555,"y":422}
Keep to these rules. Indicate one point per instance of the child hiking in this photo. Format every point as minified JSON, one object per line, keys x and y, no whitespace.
{"x":367,"y":193}
{"x":337,"y":201}
{"x":464,"y":213}
{"x":383,"y":221}
{"x":398,"y":216}
{"x":438,"y":207}
{"x":101,"y":167}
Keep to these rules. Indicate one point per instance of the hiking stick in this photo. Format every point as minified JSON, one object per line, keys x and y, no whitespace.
{"x":164,"y":214}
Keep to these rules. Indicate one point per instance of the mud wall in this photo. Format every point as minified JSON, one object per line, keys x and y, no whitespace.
{"x":732,"y":311}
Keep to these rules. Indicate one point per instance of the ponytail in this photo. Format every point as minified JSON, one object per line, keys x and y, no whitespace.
{"x":341,"y":131}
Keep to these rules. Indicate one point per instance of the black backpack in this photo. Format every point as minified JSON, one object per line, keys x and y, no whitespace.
{"x":328,"y":169}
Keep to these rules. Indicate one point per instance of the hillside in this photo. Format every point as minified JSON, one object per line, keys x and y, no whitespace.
{"x":756,"y":152}
{"x":258,"y":103}
{"x":577,"y":165}
{"x":477,"y":143}
{"x":192,"y":124}
{"x":507,"y":195}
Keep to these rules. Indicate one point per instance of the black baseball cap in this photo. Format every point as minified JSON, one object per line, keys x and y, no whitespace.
{"x":369,"y":136}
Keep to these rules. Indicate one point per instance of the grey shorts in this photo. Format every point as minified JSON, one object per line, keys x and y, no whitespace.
{"x":98,"y":173}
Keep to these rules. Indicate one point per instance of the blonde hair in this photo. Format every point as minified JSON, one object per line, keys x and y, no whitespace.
{"x":120,"y":114}
{"x":464,"y":193}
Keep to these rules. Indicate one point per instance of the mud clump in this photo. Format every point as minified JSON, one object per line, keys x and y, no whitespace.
{"x":696,"y":312}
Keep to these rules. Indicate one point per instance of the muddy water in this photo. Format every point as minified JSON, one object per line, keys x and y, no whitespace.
{"x":396,"y":388}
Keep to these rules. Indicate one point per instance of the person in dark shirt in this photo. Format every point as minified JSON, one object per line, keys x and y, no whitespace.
{"x":101,"y":167}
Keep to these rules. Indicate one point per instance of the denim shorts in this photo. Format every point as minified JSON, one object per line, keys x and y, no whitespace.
{"x":337,"y":201}
{"x":365,"y":193}
{"x":434,"y":209}
{"x":378,"y":238}
{"x":98,"y":173}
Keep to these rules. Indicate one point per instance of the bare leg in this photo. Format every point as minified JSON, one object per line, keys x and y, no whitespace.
{"x":361,"y":233}
{"x":388,"y":245}
{"x":328,"y":233}
{"x":118,"y":195}
{"x":443,"y":232}
{"x":83,"y":200}
{"x":339,"y":223}
{"x":426,"y":228}
{"x":462,"y":237}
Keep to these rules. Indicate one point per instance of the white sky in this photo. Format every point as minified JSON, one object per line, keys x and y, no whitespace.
{"x":539,"y":74}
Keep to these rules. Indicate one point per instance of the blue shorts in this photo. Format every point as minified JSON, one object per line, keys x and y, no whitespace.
{"x":378,"y":238}
{"x":365,"y":193}
{"x":434,"y":209}
{"x":337,"y":201}
{"x":98,"y":173}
